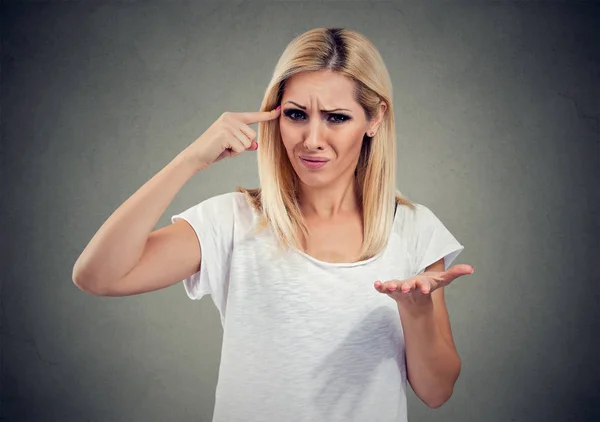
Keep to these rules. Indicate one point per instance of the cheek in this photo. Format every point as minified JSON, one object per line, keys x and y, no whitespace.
{"x":287,"y":136}
{"x":350,"y":143}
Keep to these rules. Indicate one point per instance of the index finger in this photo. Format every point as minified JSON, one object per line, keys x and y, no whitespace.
{"x":259,"y":116}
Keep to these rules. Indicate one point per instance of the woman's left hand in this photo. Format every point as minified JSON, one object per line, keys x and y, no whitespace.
{"x":416,"y":290}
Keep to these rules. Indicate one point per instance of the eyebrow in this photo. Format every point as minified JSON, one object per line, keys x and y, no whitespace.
{"x":324,"y":111}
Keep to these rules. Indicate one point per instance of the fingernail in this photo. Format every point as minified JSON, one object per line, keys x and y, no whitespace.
{"x":278,"y":107}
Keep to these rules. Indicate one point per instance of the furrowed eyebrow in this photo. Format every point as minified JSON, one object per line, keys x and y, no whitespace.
{"x":324,"y":111}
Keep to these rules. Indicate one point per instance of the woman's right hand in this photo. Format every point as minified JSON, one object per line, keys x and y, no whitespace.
{"x":228,"y":136}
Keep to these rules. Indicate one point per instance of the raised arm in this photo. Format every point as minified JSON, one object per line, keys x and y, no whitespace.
{"x":125,"y":256}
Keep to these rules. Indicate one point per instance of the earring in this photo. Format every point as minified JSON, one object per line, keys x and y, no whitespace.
{"x":372,"y":133}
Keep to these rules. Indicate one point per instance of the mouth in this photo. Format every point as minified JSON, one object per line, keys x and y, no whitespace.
{"x":313,"y":162}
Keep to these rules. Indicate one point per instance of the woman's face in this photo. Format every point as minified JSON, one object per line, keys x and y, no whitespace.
{"x":322,"y":126}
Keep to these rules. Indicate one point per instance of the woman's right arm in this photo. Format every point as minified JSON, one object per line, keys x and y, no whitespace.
{"x":125,"y":257}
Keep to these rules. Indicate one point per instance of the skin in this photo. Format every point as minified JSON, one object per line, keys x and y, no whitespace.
{"x":327,"y":192}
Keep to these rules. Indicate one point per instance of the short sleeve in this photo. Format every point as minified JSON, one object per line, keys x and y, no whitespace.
{"x":213,"y":222}
{"x":432,"y":241}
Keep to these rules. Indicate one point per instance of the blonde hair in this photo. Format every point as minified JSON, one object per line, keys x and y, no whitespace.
{"x":351,"y":54}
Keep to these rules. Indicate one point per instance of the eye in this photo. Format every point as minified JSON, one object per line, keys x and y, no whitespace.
{"x":296,"y":115}
{"x":339,"y":118}
{"x":293,"y":112}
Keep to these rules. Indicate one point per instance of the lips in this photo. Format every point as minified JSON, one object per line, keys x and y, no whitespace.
{"x":313,"y":163}
{"x":314,"y":159}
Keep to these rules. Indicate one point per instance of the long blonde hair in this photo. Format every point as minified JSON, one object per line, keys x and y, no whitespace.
{"x":354,"y":56}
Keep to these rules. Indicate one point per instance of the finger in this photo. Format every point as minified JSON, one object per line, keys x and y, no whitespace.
{"x":457,"y":271}
{"x":385,"y":287}
{"x":237,"y":146}
{"x":394,"y":286}
{"x":390,"y":286}
{"x":259,"y":116}
{"x":407,"y":287}
{"x":422,"y":285}
{"x":248,"y":131}
{"x":251,"y":135}
{"x":246,"y":143}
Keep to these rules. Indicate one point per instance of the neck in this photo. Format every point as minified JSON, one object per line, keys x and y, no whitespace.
{"x":329,"y":201}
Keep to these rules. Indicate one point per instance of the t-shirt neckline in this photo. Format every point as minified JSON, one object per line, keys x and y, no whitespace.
{"x":349,"y":264}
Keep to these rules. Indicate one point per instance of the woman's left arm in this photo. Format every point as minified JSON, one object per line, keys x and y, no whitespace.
{"x":432,"y":362}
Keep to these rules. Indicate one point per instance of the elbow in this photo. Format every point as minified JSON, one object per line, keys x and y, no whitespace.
{"x":80,"y":278}
{"x":435,"y":398}
{"x":442,"y":395}
{"x":84,"y":285}
{"x":439,"y":400}
{"x":90,"y":288}
{"x":85,"y":282}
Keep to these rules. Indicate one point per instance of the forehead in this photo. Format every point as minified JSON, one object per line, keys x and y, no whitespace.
{"x":326,"y":87}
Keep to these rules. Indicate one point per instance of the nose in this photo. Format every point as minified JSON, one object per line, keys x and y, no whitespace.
{"x":314,"y":138}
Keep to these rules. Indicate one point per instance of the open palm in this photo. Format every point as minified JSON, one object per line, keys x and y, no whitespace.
{"x":415,"y":287}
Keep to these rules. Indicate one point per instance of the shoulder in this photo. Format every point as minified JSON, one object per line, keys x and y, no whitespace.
{"x":411,"y":212}
{"x":422,"y":214}
{"x":232,"y":206}
{"x":226,"y":209}
{"x":226,"y":202}
{"x":414,"y":218}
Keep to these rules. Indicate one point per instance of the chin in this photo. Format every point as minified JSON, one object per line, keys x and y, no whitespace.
{"x":312,"y":179}
{"x":313,"y":182}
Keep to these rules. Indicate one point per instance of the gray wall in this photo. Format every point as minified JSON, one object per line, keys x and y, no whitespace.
{"x":497,"y":108}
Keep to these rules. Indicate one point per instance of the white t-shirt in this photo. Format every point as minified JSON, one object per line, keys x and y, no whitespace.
{"x":305,"y":340}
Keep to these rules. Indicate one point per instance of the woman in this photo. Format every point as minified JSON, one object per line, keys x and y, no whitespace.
{"x":329,"y":283}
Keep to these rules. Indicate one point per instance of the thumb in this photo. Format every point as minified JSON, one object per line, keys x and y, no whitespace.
{"x":457,"y":271}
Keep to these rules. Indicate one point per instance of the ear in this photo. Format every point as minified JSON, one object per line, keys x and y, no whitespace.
{"x":374,"y":125}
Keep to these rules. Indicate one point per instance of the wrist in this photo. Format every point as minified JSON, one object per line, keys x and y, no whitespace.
{"x":188,"y":161}
{"x":421,"y":308}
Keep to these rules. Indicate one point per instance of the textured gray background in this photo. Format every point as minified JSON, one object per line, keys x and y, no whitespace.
{"x":498,"y":126}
